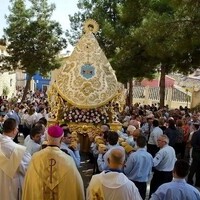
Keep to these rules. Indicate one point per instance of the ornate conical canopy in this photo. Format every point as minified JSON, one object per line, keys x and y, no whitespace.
{"x":87,"y":79}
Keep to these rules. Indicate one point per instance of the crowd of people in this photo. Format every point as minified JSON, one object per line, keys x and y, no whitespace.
{"x":160,"y":146}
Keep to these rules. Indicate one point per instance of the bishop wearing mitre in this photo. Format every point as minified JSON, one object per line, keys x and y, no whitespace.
{"x":52,"y":173}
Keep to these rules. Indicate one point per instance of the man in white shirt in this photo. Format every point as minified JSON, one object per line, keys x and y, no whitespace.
{"x":33,"y":145}
{"x":152,"y":146}
{"x":41,"y":126}
{"x":14,"y":160}
{"x":163,"y":162}
{"x":112,"y":184}
{"x":147,"y":127}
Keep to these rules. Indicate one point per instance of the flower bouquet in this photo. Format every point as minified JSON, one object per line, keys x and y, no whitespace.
{"x":95,"y":116}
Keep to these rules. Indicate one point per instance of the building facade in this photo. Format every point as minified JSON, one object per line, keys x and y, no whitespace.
{"x":7,"y":79}
{"x":41,"y":82}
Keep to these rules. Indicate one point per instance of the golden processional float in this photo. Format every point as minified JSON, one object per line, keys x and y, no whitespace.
{"x":85,"y":93}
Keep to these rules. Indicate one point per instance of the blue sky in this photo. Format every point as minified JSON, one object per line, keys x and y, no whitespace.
{"x":63,"y":9}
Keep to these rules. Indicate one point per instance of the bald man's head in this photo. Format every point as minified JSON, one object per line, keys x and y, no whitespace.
{"x":134,"y":123}
{"x":116,"y":156}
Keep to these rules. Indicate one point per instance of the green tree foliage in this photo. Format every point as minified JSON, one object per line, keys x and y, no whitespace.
{"x":170,"y":37}
{"x":126,"y":55}
{"x":187,"y":23}
{"x":2,"y":41}
{"x":34,"y":40}
{"x":141,"y":37}
{"x":156,"y":35}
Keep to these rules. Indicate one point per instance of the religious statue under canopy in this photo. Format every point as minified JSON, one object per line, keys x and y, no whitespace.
{"x":85,"y":89}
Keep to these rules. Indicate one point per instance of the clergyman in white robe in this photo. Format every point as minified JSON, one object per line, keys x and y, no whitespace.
{"x":112,"y":184}
{"x":14,"y":161}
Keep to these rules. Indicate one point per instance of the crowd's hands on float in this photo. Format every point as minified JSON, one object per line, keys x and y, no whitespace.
{"x":102,"y":148}
{"x":74,"y":141}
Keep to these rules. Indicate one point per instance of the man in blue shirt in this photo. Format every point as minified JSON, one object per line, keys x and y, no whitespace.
{"x":33,"y":145}
{"x":178,"y":189}
{"x":73,"y":152}
{"x":139,"y":166}
{"x":102,"y":159}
